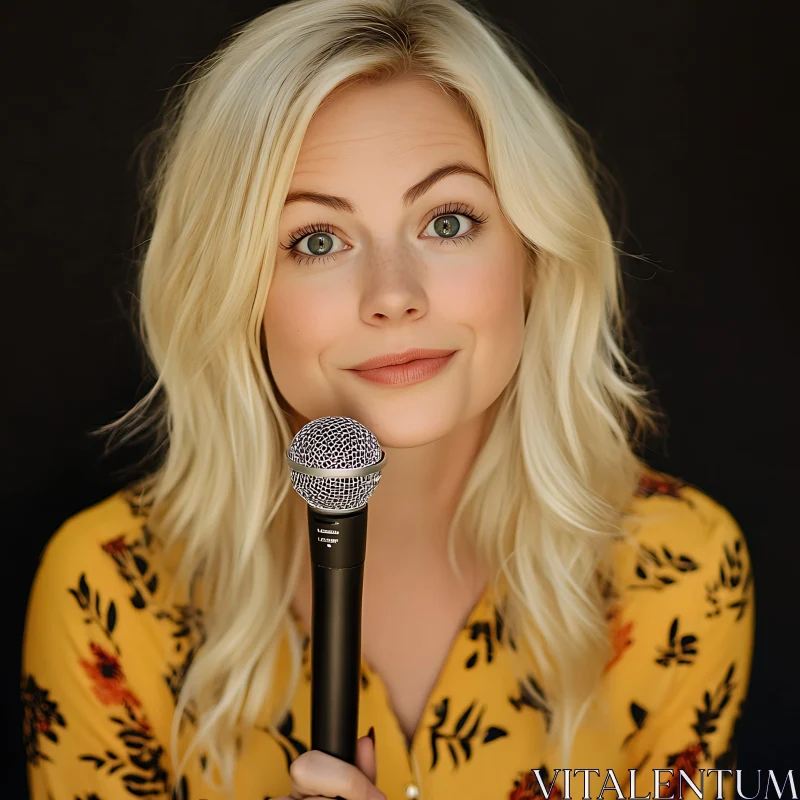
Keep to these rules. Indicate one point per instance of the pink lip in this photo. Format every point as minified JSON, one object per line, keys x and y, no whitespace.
{"x":390,"y":359}
{"x":414,"y":371}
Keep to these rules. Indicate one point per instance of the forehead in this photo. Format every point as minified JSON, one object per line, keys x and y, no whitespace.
{"x":399,"y":126}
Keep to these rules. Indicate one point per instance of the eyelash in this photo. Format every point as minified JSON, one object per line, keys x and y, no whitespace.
{"x":441,"y":211}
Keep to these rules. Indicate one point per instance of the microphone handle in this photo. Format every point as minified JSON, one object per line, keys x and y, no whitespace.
{"x":338,"y":548}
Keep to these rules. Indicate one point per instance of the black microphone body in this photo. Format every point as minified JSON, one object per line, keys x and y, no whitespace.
{"x":338,"y":543}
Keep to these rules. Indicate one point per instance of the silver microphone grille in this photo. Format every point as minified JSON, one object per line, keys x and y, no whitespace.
{"x":335,"y":463}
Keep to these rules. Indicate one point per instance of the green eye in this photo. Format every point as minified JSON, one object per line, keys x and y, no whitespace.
{"x":448,"y":226}
{"x":316,"y":243}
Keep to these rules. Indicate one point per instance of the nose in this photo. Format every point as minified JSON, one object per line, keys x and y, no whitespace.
{"x":393,"y":292}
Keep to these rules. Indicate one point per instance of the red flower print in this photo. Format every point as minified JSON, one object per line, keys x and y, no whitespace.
{"x":108,"y":679}
{"x":656,"y":483}
{"x":527,"y":787}
{"x":687,"y":760}
{"x":620,"y":636}
{"x":115,"y":546}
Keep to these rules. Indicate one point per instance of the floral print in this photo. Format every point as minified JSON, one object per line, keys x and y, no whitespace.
{"x":41,"y":718}
{"x":621,"y":635}
{"x":108,"y":647}
{"x":108,"y":680}
{"x":527,"y":787}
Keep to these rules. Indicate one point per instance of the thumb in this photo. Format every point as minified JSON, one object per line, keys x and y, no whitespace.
{"x":365,"y":756}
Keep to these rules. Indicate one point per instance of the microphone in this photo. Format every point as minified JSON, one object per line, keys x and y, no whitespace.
{"x":335,"y":466}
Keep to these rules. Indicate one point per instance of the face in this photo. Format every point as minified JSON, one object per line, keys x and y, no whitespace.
{"x":394,"y":262}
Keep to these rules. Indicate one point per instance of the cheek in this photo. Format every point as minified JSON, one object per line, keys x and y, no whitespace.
{"x":488,"y":301}
{"x":299,"y":323}
{"x":487,"y":296}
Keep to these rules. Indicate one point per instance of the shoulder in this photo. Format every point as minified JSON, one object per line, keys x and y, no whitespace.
{"x":104,"y":597}
{"x":99,"y":561}
{"x":100,"y":539}
{"x":104,"y":651}
{"x":682,"y":622}
{"x":683,"y":576}
{"x":85,"y":541}
{"x":89,"y":534}
{"x":680,"y":534}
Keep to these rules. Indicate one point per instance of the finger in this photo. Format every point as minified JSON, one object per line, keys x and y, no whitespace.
{"x":365,"y":758}
{"x":316,"y":773}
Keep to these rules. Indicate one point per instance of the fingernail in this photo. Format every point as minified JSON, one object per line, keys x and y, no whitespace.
{"x":371,"y":734}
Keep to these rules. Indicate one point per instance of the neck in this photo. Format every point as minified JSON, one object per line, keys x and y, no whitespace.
{"x":420,"y":487}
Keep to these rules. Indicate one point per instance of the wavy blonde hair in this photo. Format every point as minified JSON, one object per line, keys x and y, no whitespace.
{"x":545,"y":498}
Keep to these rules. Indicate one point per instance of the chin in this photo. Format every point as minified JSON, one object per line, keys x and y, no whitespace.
{"x":401,"y":420}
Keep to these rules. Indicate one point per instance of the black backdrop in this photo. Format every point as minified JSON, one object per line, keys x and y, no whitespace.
{"x":689,"y":105}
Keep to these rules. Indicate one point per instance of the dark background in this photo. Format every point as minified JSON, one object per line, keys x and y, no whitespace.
{"x":692,"y":108}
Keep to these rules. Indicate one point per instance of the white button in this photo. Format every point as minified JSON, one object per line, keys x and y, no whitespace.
{"x":412,"y":791}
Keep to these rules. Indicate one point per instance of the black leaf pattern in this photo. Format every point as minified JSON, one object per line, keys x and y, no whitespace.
{"x":730,"y":591}
{"x":93,"y":614}
{"x":493,"y":733}
{"x":656,"y":570}
{"x":145,"y":775}
{"x":678,"y":650}
{"x":40,"y":715}
{"x":639,"y":716}
{"x":480,"y":630}
{"x":181,"y":793}
{"x":84,"y":587}
{"x":463,"y":718}
{"x":527,"y":699}
{"x":461,"y":734}
{"x":714,"y":704}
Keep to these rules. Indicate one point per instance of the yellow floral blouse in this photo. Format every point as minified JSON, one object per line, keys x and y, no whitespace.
{"x":104,"y":658}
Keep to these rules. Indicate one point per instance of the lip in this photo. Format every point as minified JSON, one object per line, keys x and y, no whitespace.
{"x":414,"y":370}
{"x":391,"y":359}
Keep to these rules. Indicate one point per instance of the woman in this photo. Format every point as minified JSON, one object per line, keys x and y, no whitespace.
{"x":342,"y":181}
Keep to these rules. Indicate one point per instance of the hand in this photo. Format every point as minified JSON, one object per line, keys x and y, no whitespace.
{"x":316,"y":775}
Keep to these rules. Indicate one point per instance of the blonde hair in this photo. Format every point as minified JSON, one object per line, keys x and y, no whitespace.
{"x":546,"y":495}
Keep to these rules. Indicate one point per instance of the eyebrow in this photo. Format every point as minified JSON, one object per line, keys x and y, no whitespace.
{"x":412,"y":193}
